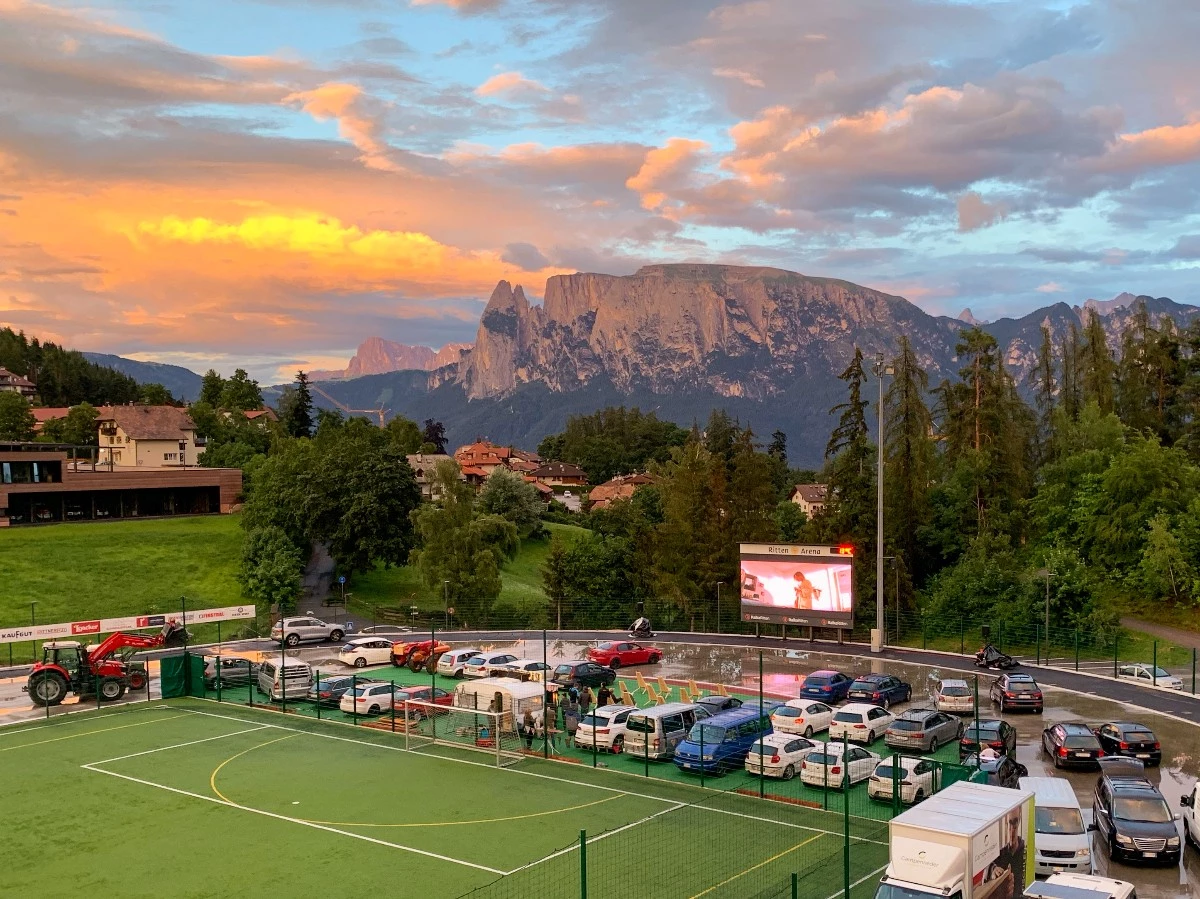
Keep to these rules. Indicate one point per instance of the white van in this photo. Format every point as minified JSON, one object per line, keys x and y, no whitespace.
{"x":284,"y":678}
{"x":1062,"y":841}
{"x":656,"y":731}
{"x":515,"y":698}
{"x":1080,"y":886}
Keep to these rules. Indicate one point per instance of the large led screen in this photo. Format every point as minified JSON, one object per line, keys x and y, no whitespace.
{"x":805,"y":585}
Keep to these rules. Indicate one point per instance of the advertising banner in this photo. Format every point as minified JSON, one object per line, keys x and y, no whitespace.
{"x":792,"y":584}
{"x":72,"y":630}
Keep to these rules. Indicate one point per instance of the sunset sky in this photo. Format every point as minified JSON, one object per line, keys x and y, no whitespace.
{"x":267,"y":183}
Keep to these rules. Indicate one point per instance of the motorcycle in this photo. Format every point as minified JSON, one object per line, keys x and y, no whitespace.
{"x":990,"y":657}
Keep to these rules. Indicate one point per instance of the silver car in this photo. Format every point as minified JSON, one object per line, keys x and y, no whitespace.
{"x":955,"y":696}
{"x":293,"y":631}
{"x":923,"y":729}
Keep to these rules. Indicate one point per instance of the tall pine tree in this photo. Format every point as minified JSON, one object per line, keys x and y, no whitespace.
{"x":909,"y":458}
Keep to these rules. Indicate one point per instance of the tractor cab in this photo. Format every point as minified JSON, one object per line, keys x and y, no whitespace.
{"x":66,"y":654}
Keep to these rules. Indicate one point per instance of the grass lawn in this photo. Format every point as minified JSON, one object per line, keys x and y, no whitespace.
{"x":521,"y":596}
{"x":116,"y":568}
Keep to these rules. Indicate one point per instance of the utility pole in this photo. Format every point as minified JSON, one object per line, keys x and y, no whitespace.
{"x":880,"y":371}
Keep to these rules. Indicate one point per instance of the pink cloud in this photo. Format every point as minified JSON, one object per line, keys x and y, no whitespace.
{"x":347,"y":104}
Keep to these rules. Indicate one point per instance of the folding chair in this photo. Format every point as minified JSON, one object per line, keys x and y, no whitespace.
{"x":653,"y":694}
{"x":694,"y":687}
{"x":663,"y":687}
{"x":721,"y":691}
{"x":684,"y":695}
{"x":626,"y":696}
{"x":641,"y":681}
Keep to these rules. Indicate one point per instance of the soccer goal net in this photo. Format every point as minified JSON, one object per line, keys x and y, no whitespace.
{"x":427,"y":724}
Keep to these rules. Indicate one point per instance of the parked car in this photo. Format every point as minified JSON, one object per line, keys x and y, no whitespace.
{"x":421,"y":693}
{"x":1135,"y":741}
{"x":859,"y":722}
{"x":1017,"y":691}
{"x":370,"y":699}
{"x":294,"y":631}
{"x":955,"y":696}
{"x":1132,"y":816}
{"x":328,"y":691}
{"x":1150,"y":675}
{"x":1072,"y":746}
{"x":721,"y":743}
{"x":879,"y":689}
{"x":604,"y":728}
{"x":453,"y":662}
{"x":994,"y":732}
{"x":919,"y":778}
{"x":801,"y":716}
{"x":233,"y":671}
{"x":364,"y":651}
{"x":923,"y":729}
{"x":383,"y":630}
{"x":614,"y":654}
{"x":524,"y":669}
{"x":1002,"y":771}
{"x":837,"y":765}
{"x":828,"y":686}
{"x":716,"y":703}
{"x":582,"y":674}
{"x":483,"y":664}
{"x":779,"y":755}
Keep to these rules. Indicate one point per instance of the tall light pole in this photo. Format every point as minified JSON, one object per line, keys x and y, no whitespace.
{"x":446,"y":598}
{"x":32,"y":624}
{"x":880,"y":371}
{"x":719,"y":583}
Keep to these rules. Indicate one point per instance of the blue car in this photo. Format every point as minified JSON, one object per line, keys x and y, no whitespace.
{"x":880,"y":689}
{"x":828,"y":686}
{"x":722,"y":742}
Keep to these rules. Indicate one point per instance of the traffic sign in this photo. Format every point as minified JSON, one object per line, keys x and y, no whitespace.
{"x":341,"y":578}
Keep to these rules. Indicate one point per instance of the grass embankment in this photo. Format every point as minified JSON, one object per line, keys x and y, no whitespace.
{"x":522,"y":597}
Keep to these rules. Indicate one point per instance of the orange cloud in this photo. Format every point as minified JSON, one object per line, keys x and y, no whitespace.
{"x":663,"y":167}
{"x":508,"y":83}
{"x":1165,"y":145}
{"x":346,"y":103}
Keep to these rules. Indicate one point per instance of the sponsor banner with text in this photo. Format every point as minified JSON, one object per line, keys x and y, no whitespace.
{"x":73,"y":629}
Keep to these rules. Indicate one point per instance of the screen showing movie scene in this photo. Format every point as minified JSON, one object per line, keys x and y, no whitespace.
{"x":805,"y":589}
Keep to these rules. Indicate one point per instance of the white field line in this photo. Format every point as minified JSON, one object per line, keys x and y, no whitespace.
{"x":863,"y":879}
{"x":134,"y":755}
{"x":574,"y":783}
{"x":300,"y":821}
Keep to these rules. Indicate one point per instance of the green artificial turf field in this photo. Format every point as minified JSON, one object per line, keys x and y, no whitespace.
{"x":195,"y":798}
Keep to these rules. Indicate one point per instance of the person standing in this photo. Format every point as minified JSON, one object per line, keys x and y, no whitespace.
{"x":585,"y":700}
{"x":605,"y":697}
{"x":528,"y":730}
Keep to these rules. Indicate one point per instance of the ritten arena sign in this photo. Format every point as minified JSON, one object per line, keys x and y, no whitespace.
{"x":785,"y":583}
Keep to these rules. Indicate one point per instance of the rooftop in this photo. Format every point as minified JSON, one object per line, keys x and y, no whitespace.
{"x":148,"y":422}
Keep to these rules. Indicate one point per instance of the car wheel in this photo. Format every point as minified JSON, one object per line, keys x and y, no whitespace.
{"x":933,"y":745}
{"x":789,"y":772}
{"x":920,"y":794}
{"x":614,"y":664}
{"x":618,"y":745}
{"x":808,"y":732}
{"x":373,"y":710}
{"x":292,"y":640}
{"x":360,"y":662}
{"x":887,"y":703}
{"x":334,"y":636}
{"x":870,"y":737}
{"x":654,"y":660}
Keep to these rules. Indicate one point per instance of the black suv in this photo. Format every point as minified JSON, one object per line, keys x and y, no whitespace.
{"x":1135,"y":741}
{"x":583,"y":674}
{"x":1000,"y":735}
{"x":1132,"y":816}
{"x":1072,"y":745}
{"x":1017,"y":691}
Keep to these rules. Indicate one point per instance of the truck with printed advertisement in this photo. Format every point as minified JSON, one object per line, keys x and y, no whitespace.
{"x":970,"y":841}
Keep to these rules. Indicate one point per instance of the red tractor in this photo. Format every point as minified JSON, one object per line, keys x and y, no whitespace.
{"x":68,"y":667}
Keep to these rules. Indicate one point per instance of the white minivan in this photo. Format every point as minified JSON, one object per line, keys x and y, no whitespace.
{"x":1061,"y":839}
{"x":282,"y":677}
{"x":655,"y":732}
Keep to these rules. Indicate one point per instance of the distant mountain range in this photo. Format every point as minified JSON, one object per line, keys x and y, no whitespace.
{"x":183,"y":383}
{"x":764,"y":344}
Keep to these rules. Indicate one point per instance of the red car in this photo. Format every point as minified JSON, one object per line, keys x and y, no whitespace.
{"x":422,"y":693}
{"x":614,"y":655}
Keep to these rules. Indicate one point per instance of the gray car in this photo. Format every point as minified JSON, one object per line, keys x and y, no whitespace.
{"x":924,"y":729}
{"x":233,"y":672}
{"x":293,"y":631}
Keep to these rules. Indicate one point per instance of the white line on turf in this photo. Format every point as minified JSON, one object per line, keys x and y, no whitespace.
{"x":300,"y":821}
{"x":134,"y":755}
{"x":857,"y":882}
{"x":575,"y":783}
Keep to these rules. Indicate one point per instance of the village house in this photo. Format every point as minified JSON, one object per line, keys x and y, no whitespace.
{"x":810,"y":497}
{"x":623,"y":486}
{"x":147,"y":437}
{"x":10,"y":383}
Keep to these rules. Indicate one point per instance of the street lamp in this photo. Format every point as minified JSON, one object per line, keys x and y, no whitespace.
{"x":446,"y":598}
{"x":880,"y":370}
{"x":896,"y":568}
{"x":719,"y":585}
{"x":32,"y":624}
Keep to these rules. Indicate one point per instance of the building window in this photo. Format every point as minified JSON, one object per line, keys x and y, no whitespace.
{"x":170,"y":457}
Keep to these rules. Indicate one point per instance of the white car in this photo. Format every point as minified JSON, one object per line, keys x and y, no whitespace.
{"x":604,"y":728}
{"x":452,"y":663}
{"x":481,"y":665}
{"x":827,"y":766}
{"x":779,"y":755}
{"x":860,"y":722}
{"x":528,"y":669}
{"x":955,"y":697}
{"x":801,"y":716}
{"x":918,"y":779}
{"x":370,"y":699}
{"x":1149,"y":675}
{"x":364,"y":651}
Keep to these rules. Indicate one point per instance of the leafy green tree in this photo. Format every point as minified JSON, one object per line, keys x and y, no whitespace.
{"x":434,"y":433}
{"x":296,"y":408}
{"x":1044,"y":391}
{"x":789,"y":521}
{"x":156,"y":395}
{"x":613,"y":441}
{"x":405,"y":434}
{"x":599,"y":587}
{"x":1165,"y":568}
{"x":212,"y":388}
{"x":751,"y":498}
{"x":240,"y":394}
{"x":271,"y":568}
{"x":16,"y":418}
{"x":78,"y":427}
{"x":1071,"y":393}
{"x":64,"y":377}
{"x":1097,"y":369}
{"x":909,"y":456}
{"x":510,"y":496}
{"x":555,"y":577}
{"x":849,"y":514}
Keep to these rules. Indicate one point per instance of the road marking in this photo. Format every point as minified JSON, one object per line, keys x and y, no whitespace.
{"x":87,"y":733}
{"x":212,"y":778}
{"x":554,"y":811}
{"x":776,"y":857}
{"x":134,"y":755}
{"x":300,"y":821}
{"x":857,"y":882}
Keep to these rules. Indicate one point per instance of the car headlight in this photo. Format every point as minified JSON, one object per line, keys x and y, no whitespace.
{"x":1173,"y":843}
{"x":707,"y":756}
{"x":1124,"y":840}
{"x":1083,"y":853}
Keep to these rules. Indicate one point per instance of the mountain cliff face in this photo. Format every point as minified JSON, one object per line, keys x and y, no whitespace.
{"x":376,"y":356}
{"x":739,"y":332}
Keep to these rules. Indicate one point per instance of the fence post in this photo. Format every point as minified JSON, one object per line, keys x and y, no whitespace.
{"x":962,"y":638}
{"x":545,"y":713}
{"x":1000,"y":645}
{"x":1193,"y":671}
{"x":762,"y":769}
{"x":317,"y":687}
{"x":1076,"y":649}
{"x":846,"y":828}
{"x":1116,"y":651}
{"x":795,"y":885}
{"x":1154,"y":665}
{"x":895,"y":783}
{"x":1037,"y":644}
{"x":583,"y":864}
{"x":924,"y":634}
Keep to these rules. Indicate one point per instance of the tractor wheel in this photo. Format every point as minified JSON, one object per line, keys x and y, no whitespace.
{"x":431,"y":665}
{"x":111,"y":689}
{"x":415,"y":663}
{"x":47,"y":688}
{"x":137,"y":680}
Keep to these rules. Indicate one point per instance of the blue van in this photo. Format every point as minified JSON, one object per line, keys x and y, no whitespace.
{"x":726,"y":739}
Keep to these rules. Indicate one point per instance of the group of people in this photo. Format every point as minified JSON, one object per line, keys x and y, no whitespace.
{"x":563,"y":711}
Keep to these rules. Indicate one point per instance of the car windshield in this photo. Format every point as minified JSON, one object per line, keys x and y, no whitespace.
{"x":1023,"y":686}
{"x":606,"y":646}
{"x":1081,"y":741}
{"x":594,"y":721}
{"x":563,"y":669}
{"x":1148,"y":809}
{"x":1059,"y":820}
{"x":1139,"y":736}
{"x":706,"y":733}
{"x":787,"y":711}
{"x":864,"y":684}
{"x":985,"y":733}
{"x":823,"y":757}
{"x":816,"y":681}
{"x":640,"y":724}
{"x":909,"y":726}
{"x":956,"y":691}
{"x":848,"y":717}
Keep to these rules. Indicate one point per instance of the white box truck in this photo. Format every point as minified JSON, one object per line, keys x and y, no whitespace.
{"x":970,"y":841}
